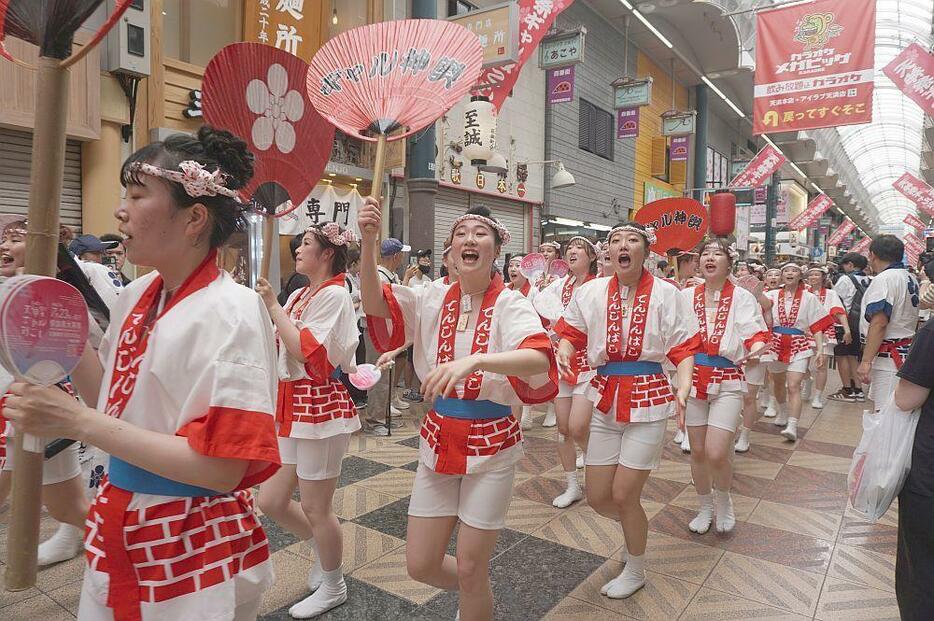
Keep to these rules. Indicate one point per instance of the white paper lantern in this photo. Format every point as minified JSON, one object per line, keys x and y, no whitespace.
{"x":479,"y":130}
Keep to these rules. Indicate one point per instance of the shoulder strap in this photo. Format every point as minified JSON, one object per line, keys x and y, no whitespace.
{"x":856,"y":283}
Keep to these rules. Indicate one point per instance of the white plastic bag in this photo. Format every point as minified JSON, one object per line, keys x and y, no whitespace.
{"x":882,"y":460}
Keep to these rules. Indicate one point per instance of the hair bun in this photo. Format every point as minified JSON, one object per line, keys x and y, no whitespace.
{"x":231,"y":153}
{"x":481,"y":210}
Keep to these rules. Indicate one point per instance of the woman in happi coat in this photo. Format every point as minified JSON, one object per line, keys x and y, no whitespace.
{"x":185,"y":392}
{"x":629,"y":324}
{"x":833,"y":306}
{"x":731,"y":327}
{"x":573,"y":408}
{"x":315,"y":415}
{"x":518,"y":282}
{"x":479,"y":348}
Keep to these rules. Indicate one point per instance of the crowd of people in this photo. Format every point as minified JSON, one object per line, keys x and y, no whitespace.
{"x":200,"y":389}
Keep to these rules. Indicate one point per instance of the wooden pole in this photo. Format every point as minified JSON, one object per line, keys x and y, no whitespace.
{"x":376,"y":189}
{"x":269,"y":228}
{"x":45,"y":193}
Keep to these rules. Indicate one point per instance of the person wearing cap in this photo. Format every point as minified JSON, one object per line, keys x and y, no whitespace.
{"x":390,"y":260}
{"x":833,"y":306}
{"x":419,"y":273}
{"x":850,"y":286}
{"x":116,"y":255}
{"x":89,"y":253}
{"x":798,"y":321}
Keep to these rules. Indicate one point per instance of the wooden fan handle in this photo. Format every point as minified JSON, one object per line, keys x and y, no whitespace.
{"x":268,"y":229}
{"x":379,"y":165}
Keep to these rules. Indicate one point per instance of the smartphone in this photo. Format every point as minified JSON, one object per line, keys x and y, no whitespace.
{"x":413,"y":261}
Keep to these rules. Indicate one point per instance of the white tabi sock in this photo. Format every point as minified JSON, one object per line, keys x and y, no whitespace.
{"x":315,"y":574}
{"x":332,"y":593}
{"x":631,"y":580}
{"x":725,"y":518}
{"x":64,"y":545}
{"x":701,"y":523}
{"x":572,"y":494}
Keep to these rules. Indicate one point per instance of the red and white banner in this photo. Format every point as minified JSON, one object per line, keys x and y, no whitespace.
{"x":917,"y":191}
{"x":862,"y":245}
{"x":912,"y":71}
{"x":914,"y":222}
{"x":815,"y":209}
{"x":814,"y":65}
{"x":837,"y":236}
{"x":535,"y":19}
{"x":760,"y":168}
{"x":913,"y":244}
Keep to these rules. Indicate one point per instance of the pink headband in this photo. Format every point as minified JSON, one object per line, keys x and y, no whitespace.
{"x":586,"y":241}
{"x":332,"y":232}
{"x":648,"y":233}
{"x":730,"y":251}
{"x":496,"y":226}
{"x":551,"y":244}
{"x":192,"y":175}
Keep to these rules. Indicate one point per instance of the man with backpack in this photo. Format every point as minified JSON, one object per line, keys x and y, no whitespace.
{"x":850,"y":286}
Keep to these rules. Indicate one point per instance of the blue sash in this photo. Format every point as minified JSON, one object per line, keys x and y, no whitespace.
{"x":134,"y":479}
{"x":470,"y":409}
{"x":631,"y":368}
{"x":719,"y":362}
{"x":784,"y":330}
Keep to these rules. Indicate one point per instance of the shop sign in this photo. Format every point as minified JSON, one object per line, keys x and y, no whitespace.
{"x":680,"y":148}
{"x":914,"y":222}
{"x":814,"y":65}
{"x":284,"y":24}
{"x":326,"y":203}
{"x":679,"y":123}
{"x":632,"y":93}
{"x":815,"y":209}
{"x":912,"y":72}
{"x":759,"y":169}
{"x":560,"y":85}
{"x":861,"y":246}
{"x":654,"y":191}
{"x":845,"y":229}
{"x":497,"y":27}
{"x":627,"y":123}
{"x":917,"y":191}
{"x":562,"y":50}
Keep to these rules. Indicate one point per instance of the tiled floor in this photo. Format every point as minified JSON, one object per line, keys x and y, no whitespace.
{"x":797,"y":552}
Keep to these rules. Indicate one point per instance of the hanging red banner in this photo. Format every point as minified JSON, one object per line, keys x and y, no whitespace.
{"x":814,"y":65}
{"x":914,"y":221}
{"x":862,"y":245}
{"x":913,"y":243}
{"x":917,"y":191}
{"x":815,"y":209}
{"x":760,"y":168}
{"x":912,"y":71}
{"x":837,"y":236}
{"x":535,"y":19}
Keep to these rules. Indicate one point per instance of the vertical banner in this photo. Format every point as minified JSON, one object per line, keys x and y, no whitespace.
{"x":814,"y":65}
{"x":862,"y":245}
{"x":680,"y":148}
{"x":917,"y":191}
{"x":845,"y":229}
{"x":535,"y":19}
{"x":914,"y":222}
{"x":759,"y":168}
{"x":742,"y":226}
{"x":815,"y":209}
{"x":627,"y":123}
{"x":560,"y":85}
{"x":284,"y":25}
{"x":912,"y":72}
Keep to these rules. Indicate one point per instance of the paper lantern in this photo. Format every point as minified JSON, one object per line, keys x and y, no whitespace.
{"x":479,"y":130}
{"x":722,"y":213}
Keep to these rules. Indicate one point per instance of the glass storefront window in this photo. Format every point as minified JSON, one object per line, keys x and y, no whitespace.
{"x":194,"y":32}
{"x":348,"y":14}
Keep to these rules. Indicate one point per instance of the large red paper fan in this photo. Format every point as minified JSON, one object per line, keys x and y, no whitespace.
{"x":680,"y":223}
{"x":258,"y":92}
{"x":393,"y":78}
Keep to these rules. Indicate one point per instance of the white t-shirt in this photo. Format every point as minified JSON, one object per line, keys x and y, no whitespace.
{"x":105,"y":281}
{"x":895,"y":293}
{"x":847,"y":290}
{"x":419,"y":280}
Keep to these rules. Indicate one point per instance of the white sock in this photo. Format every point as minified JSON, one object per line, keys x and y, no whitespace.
{"x":701,"y":523}
{"x":315,"y":574}
{"x":333,"y":593}
{"x":572,"y":494}
{"x":64,"y":545}
{"x":631,"y":580}
{"x":725,"y":518}
{"x":572,"y":479}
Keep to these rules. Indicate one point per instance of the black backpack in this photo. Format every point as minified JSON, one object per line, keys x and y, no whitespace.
{"x":853,"y":313}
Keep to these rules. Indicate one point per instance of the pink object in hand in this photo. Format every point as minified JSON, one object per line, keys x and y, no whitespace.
{"x":366,"y":377}
{"x":559,"y":268}
{"x":533,"y":266}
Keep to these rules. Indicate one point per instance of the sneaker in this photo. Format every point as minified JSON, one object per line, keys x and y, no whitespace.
{"x":413,"y":396}
{"x":394,"y":411}
{"x":842,"y":395}
{"x":377,"y":429}
{"x":399,"y":404}
{"x":816,"y":403}
{"x":859,"y":396}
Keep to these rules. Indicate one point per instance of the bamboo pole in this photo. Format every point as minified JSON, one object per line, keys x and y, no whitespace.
{"x":45,"y":193}
{"x":269,"y":227}
{"x":379,"y":165}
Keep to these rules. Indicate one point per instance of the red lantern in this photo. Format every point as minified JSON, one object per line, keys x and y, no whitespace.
{"x":722,"y":213}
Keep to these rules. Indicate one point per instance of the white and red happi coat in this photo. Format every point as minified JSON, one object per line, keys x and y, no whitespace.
{"x":833,"y":306}
{"x":730,"y":330}
{"x":659,"y":325}
{"x":562,"y":291}
{"x":526,"y":290}
{"x":6,"y":428}
{"x":312,"y":404}
{"x":202,"y":367}
{"x":428,"y":317}
{"x":803,"y":311}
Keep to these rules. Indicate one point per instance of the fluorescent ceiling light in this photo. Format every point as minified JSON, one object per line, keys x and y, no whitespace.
{"x":648,"y":25}
{"x":599,"y":227}
{"x":567,"y":222}
{"x":626,"y":4}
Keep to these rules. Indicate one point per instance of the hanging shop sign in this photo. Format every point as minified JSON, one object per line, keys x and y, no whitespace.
{"x":814,"y":65}
{"x":913,"y":243}
{"x":560,"y":85}
{"x":815,"y":209}
{"x":326,"y":203}
{"x":497,"y":27}
{"x":284,"y":25}
{"x":845,"y":229}
{"x":862,"y":245}
{"x":759,"y":168}
{"x":562,"y":50}
{"x":631,"y":93}
{"x":680,"y":148}
{"x":535,"y":18}
{"x":912,"y":72}
{"x":679,"y":123}
{"x":914,"y":222}
{"x":627,"y":123}
{"x":917,"y":191}
{"x":479,"y":130}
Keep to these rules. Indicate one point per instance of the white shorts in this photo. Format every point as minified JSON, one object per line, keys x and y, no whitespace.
{"x":566,"y":391}
{"x":797,"y":366}
{"x":315,"y":460}
{"x":60,"y":468}
{"x":723,"y":411}
{"x":634,"y":445}
{"x":755,"y":373}
{"x":479,"y":500}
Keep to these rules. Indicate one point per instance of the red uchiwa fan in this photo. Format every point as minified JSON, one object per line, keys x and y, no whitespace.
{"x":258,"y":92}
{"x":382,"y":82}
